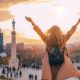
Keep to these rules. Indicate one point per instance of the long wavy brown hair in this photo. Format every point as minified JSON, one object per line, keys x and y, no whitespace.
{"x":54,"y":35}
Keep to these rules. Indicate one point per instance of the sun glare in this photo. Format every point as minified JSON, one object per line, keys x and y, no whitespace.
{"x":60,"y":11}
{"x":52,"y":14}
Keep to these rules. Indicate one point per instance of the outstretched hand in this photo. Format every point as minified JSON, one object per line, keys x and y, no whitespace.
{"x":79,"y":20}
{"x":28,"y":19}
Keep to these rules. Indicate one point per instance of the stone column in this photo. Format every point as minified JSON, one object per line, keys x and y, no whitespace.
{"x":13,"y":62}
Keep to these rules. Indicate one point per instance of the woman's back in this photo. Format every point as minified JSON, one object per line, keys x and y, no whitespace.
{"x":54,"y":38}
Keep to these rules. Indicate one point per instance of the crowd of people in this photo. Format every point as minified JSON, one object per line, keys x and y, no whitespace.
{"x":11,"y":72}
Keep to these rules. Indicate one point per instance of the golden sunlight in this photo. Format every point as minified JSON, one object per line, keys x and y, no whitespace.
{"x":60,"y":15}
{"x":60,"y":10}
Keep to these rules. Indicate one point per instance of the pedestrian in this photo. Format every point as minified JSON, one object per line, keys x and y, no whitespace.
{"x":18,"y":68}
{"x":3,"y":71}
{"x":14,"y":69}
{"x":16,"y":74}
{"x":20,"y":73}
{"x":7,"y":74}
{"x":10,"y":69}
{"x":30,"y":76}
{"x":11,"y":74}
{"x":35,"y":77}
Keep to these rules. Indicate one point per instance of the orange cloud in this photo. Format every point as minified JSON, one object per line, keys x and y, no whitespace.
{"x":5,"y":4}
{"x":5,"y":15}
{"x":8,"y":3}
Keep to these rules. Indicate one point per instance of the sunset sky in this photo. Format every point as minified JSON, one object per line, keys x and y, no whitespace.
{"x":45,"y":13}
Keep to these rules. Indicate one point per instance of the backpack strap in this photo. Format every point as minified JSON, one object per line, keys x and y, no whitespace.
{"x":65,"y":50}
{"x":46,"y":50}
{"x":44,"y":53}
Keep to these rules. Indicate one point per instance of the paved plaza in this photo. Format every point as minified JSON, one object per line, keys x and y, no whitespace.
{"x":28,"y":74}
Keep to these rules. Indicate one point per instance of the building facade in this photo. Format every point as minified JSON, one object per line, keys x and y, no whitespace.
{"x":1,"y":42}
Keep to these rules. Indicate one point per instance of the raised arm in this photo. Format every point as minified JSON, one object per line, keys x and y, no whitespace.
{"x":37,"y":29}
{"x":72,"y":30}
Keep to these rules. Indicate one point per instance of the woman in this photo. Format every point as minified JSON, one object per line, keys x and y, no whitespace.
{"x":55,"y":37}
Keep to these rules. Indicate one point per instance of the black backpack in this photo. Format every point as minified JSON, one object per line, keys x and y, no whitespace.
{"x":56,"y":56}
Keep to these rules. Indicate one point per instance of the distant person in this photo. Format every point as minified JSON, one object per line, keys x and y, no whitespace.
{"x":30,"y":77}
{"x":7,"y":74}
{"x":59,"y":67}
{"x":11,"y":74}
{"x":3,"y":71}
{"x":14,"y":69}
{"x":16,"y":74}
{"x":9,"y":69}
{"x":18,"y":68}
{"x":35,"y":77}
{"x":20,"y":73}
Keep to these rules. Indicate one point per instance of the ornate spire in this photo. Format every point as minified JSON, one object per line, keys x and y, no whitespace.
{"x":13,"y":24}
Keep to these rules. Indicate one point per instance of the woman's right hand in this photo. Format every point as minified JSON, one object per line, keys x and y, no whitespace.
{"x":31,"y":21}
{"x":79,"y":20}
{"x":28,"y":19}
